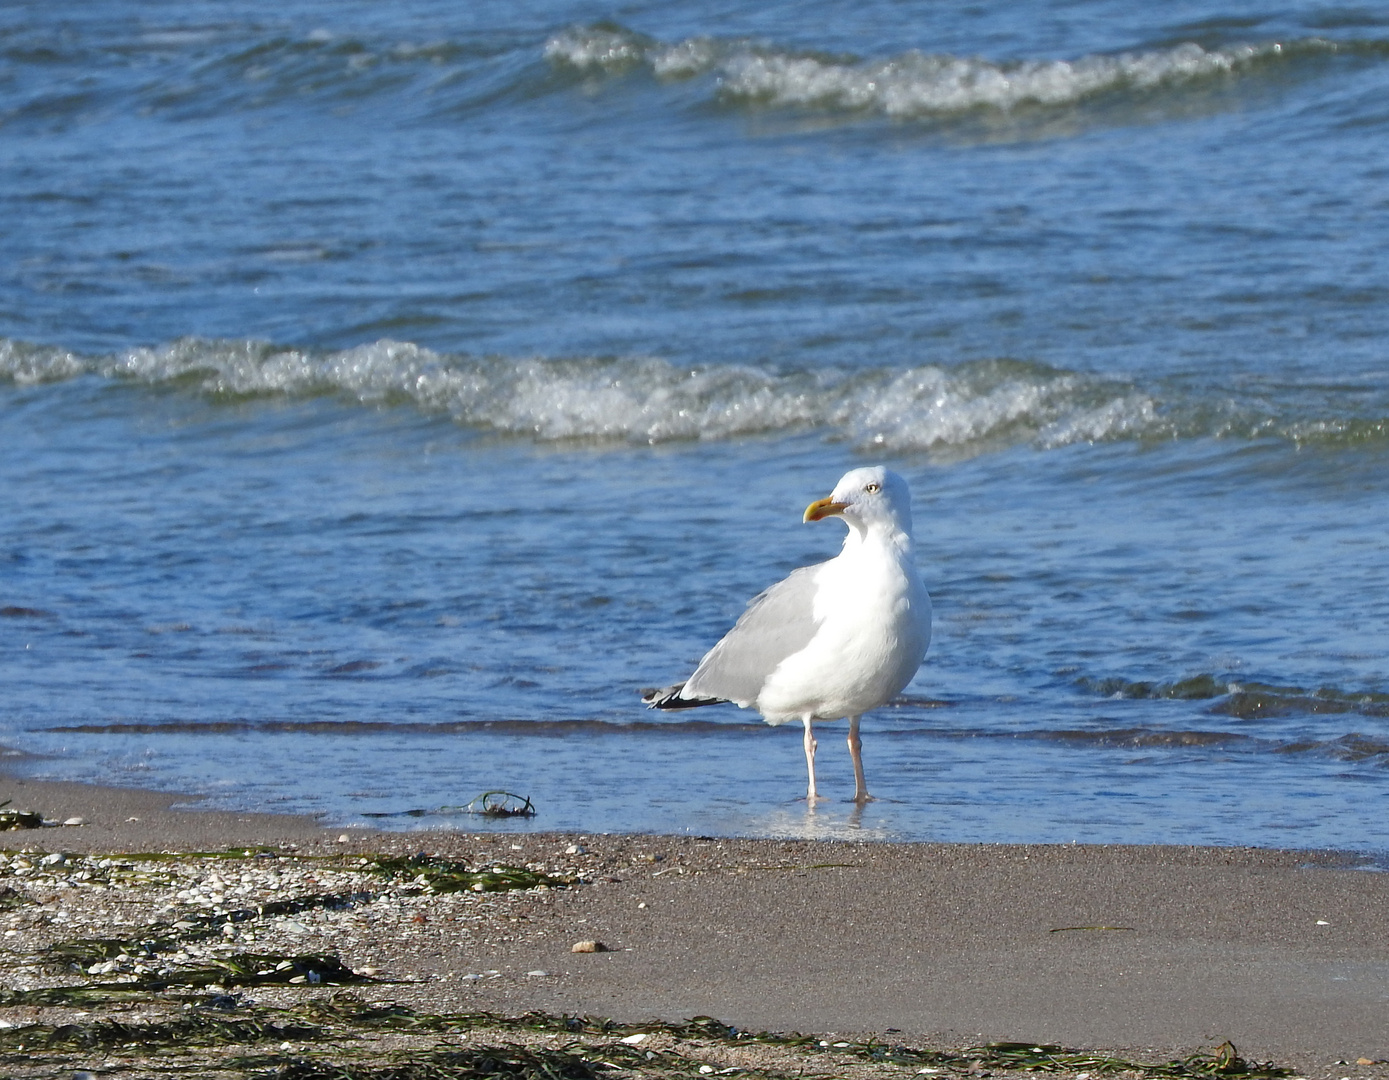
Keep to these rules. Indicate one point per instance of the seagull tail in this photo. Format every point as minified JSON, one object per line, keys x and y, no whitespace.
{"x":668,"y":697}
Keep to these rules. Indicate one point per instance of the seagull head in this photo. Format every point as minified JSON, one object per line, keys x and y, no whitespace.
{"x":868,"y":498}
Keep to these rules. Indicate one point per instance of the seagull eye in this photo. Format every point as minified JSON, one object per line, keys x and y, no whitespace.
{"x":873,"y":489}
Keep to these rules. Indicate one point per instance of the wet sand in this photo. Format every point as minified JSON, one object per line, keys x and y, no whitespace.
{"x":1153,"y":952}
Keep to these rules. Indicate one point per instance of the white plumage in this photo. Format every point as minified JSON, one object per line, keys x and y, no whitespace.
{"x":831,"y":640}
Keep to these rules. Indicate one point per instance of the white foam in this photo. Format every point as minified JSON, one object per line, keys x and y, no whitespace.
{"x":910,"y":84}
{"x":644,"y":399}
{"x":917,"y":84}
{"x":597,"y":47}
{"x":688,"y":58}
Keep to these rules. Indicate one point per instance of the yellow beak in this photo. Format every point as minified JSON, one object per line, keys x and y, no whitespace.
{"x":823,"y":508}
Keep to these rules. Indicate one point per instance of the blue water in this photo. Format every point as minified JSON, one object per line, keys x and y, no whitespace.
{"x":388,"y":393}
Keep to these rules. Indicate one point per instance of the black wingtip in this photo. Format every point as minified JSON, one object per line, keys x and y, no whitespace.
{"x":668,"y":698}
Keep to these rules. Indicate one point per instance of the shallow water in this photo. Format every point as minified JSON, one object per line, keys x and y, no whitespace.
{"x":388,"y":396}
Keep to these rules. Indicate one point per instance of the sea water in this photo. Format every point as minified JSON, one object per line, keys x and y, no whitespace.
{"x":389,"y":393}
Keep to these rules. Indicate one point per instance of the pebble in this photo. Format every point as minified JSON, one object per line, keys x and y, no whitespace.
{"x":589,"y":946}
{"x":75,"y":821}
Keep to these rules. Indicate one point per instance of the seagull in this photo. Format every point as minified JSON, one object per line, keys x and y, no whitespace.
{"x":832,"y":640}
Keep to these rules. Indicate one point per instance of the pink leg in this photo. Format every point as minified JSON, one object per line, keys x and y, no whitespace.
{"x":861,"y":795}
{"x":811,"y":795}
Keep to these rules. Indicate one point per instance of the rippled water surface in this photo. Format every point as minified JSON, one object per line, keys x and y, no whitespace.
{"x":389,"y":392}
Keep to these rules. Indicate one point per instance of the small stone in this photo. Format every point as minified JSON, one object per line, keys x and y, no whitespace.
{"x":344,"y":838}
{"x":589,"y":946}
{"x":633,"y":1040}
{"x":75,"y":821}
{"x":575,"y":849}
{"x":56,"y":859}
{"x":1366,"y":1061}
{"x":705,"y":1070}
{"x":538,"y":974}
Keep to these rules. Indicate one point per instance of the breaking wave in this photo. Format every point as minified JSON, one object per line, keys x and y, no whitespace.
{"x":638,"y":399}
{"x":915,"y":84}
{"x":189,"y":72}
{"x":966,"y":408}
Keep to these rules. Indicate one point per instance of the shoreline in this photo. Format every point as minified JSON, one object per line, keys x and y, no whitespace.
{"x":1149,"y":952}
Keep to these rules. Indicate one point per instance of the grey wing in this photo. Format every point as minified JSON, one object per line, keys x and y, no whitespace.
{"x":777,"y":623}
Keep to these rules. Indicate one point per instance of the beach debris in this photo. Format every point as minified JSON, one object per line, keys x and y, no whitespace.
{"x":18,"y":819}
{"x":243,"y":969}
{"x":436,"y":875}
{"x":333,"y":1038}
{"x":75,"y":821}
{"x":501,"y":804}
{"x":492,"y":804}
{"x":12,"y":898}
{"x":588,"y":946}
{"x":180,"y":981}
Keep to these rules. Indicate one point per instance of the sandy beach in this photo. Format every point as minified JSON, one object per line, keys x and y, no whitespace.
{"x":1149,"y":953}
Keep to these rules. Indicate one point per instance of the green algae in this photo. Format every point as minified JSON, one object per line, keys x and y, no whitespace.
{"x":241,"y":969}
{"x":195,"y":1028}
{"x":438,"y":875}
{"x":338,"y":1039}
{"x":481,"y":1063}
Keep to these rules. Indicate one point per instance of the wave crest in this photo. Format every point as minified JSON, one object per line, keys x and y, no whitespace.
{"x":641,"y":399}
{"x":960,"y":409}
{"x":912,"y":84}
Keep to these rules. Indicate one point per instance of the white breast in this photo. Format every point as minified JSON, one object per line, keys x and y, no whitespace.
{"x":874,"y":620}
